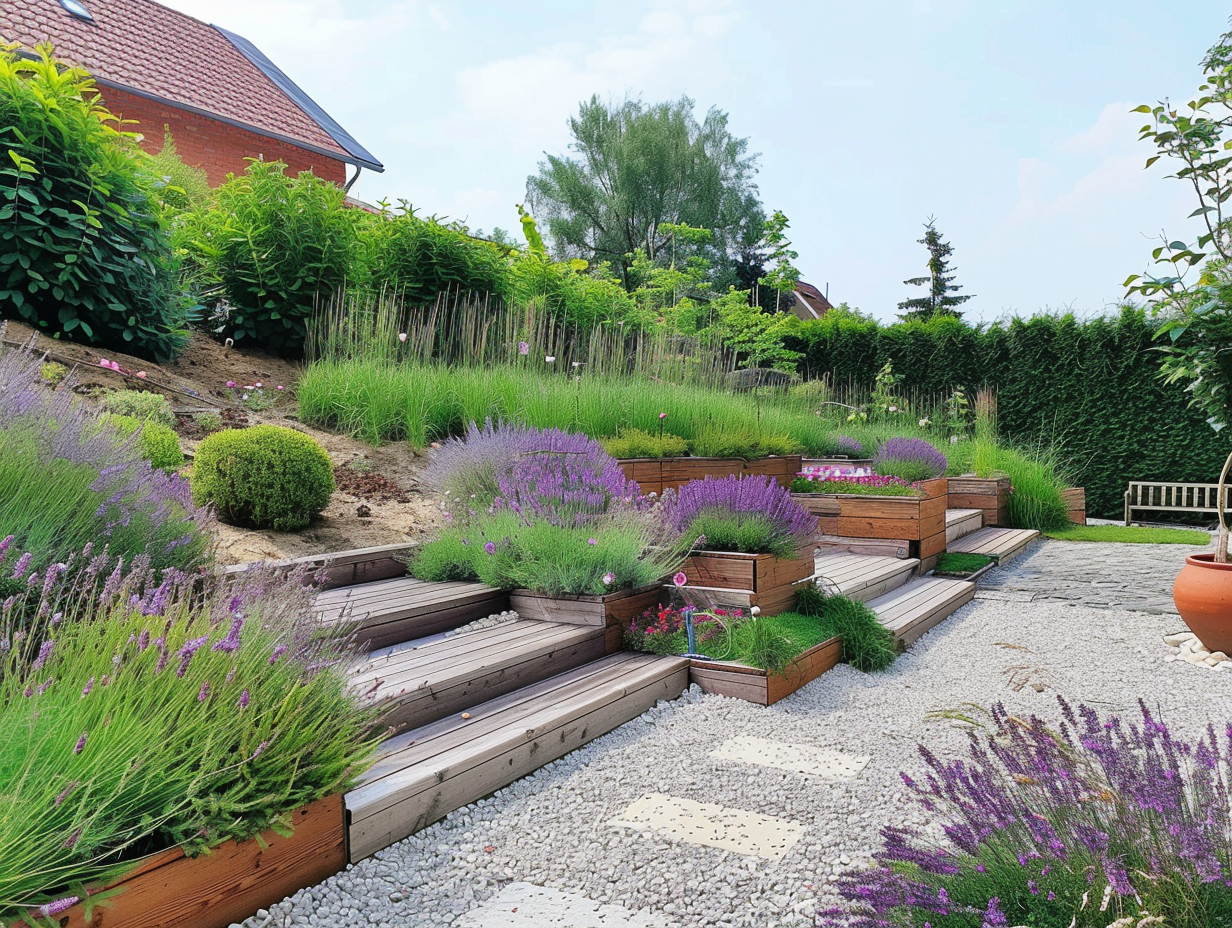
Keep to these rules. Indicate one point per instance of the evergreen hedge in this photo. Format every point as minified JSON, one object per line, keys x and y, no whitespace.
{"x":1091,"y":387}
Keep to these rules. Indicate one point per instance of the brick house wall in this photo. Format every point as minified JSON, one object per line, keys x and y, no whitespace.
{"x":217,"y":147}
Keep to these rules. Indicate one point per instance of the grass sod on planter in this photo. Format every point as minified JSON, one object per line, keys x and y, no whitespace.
{"x":961,"y":564}
{"x":139,"y":713}
{"x":868,"y":645}
{"x":1130,"y":534}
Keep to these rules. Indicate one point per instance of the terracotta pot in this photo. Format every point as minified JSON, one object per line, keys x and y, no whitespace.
{"x":1203,"y":596}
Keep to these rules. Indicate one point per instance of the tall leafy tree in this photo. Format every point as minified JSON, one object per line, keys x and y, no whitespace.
{"x":942,"y":294}
{"x":636,"y":171}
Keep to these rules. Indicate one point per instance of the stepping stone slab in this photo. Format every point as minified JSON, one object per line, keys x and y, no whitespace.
{"x":798,"y":758}
{"x":712,"y":825}
{"x":525,"y":905}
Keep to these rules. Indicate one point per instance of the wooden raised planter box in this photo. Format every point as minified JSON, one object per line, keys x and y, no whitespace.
{"x":989,"y":494}
{"x":654,"y":475}
{"x":613,"y":611}
{"x":233,"y":881}
{"x":763,"y":580}
{"x":918,"y":522}
{"x":1076,"y":504}
{"x":726,"y":678}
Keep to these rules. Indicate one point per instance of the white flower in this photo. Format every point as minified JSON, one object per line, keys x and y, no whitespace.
{"x":550,"y":358}
{"x":577,"y":364}
{"x":893,"y":409}
{"x":953,"y":439}
{"x":756,"y":610}
{"x":924,"y":423}
{"x":401,"y":336}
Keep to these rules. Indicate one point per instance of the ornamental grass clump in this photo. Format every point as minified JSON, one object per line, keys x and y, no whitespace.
{"x":911,"y":459}
{"x":67,"y":479}
{"x":1091,"y":823}
{"x":144,"y":709}
{"x":751,"y":515}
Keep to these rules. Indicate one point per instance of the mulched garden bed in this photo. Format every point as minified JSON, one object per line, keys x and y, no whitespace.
{"x":369,"y":486}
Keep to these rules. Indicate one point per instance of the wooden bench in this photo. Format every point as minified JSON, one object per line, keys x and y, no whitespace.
{"x":1168,"y":496}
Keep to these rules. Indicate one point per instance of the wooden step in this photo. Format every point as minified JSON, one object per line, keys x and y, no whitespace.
{"x":421,"y":682}
{"x":424,"y":774}
{"x":913,"y":609}
{"x":864,"y":576}
{"x":962,"y":522}
{"x":387,"y":612}
{"x":1000,"y":543}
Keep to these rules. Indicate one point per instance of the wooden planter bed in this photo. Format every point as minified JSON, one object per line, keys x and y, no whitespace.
{"x":613,"y":611}
{"x":1076,"y":504}
{"x":913,"y":523}
{"x":989,"y":494}
{"x":654,"y":475}
{"x":762,"y":580}
{"x":726,"y":678}
{"x":169,"y":890}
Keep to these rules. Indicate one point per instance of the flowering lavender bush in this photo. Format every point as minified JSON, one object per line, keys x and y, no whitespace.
{"x":909,"y":458}
{"x":754,"y":515}
{"x":1095,"y":823}
{"x":845,"y":444}
{"x":138,"y":711}
{"x":863,"y":484}
{"x":66,"y":479}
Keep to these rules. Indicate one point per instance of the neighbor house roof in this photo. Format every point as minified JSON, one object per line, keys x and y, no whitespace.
{"x":810,"y":303}
{"x":155,"y":52}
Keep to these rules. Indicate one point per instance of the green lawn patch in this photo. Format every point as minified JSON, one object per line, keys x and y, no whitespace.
{"x":961,"y":564}
{"x":1131,"y":534}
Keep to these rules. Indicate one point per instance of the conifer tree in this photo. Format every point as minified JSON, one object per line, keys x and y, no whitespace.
{"x":942,"y":294}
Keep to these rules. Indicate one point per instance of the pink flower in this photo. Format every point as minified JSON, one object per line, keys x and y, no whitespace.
{"x":490,"y":548}
{"x":103,"y":362}
{"x":662,"y":415}
{"x":402,"y":336}
{"x":279,"y":387}
{"x":259,"y":385}
{"x":230,"y":383}
{"x":680,"y":579}
{"x":609,"y":578}
{"x":592,"y":541}
{"x":141,"y":374}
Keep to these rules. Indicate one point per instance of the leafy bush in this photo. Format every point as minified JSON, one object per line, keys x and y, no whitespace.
{"x":753,"y":515}
{"x":868,"y":645}
{"x":138,"y":712}
{"x":272,"y":245}
{"x":83,"y":252}
{"x":568,"y":294}
{"x":182,"y":186}
{"x":419,"y":259}
{"x":1092,"y":823}
{"x":159,"y":444}
{"x":66,"y":481}
{"x":52,"y":373}
{"x":140,"y":405}
{"x":266,"y":476}
{"x":208,"y":421}
{"x":635,"y":443}
{"x":910,"y":459}
{"x":735,"y":443}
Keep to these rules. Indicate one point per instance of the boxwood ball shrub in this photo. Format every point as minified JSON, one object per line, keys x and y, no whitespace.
{"x":83,"y":250}
{"x":266,"y":476}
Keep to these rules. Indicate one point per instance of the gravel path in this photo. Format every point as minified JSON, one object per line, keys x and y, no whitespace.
{"x":554,"y":829}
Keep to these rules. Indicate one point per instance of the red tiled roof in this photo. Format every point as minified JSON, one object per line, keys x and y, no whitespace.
{"x":144,"y":46}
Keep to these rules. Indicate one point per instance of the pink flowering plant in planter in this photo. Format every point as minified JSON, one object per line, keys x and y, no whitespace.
{"x":144,"y":709}
{"x":1091,"y":823}
{"x":544,"y":510}
{"x":826,"y":481}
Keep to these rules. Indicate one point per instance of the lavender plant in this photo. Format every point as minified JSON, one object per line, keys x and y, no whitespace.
{"x":910,"y":459}
{"x":67,"y":478}
{"x":753,"y":515}
{"x":139,"y":711}
{"x":1093,"y":823}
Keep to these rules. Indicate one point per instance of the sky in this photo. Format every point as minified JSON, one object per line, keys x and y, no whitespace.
{"x":1007,"y":121}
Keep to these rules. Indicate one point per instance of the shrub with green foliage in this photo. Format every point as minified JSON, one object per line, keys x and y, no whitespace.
{"x":83,"y":251}
{"x":636,"y":443}
{"x":139,"y":404}
{"x":741,"y":443}
{"x":273,"y":246}
{"x":266,"y":476}
{"x":181,"y":185}
{"x":867,"y":644}
{"x":159,"y":443}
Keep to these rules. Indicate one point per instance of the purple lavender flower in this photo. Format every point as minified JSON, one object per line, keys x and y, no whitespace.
{"x":278,"y":652}
{"x":44,"y":653}
{"x":52,"y":909}
{"x":186,"y":653}
{"x":911,"y":451}
{"x":204,"y":693}
{"x":23,"y":562}
{"x":81,"y":743}
{"x":88,"y":688}
{"x":243,"y":700}
{"x":64,"y":793}
{"x":742,"y":499}
{"x":845,"y":444}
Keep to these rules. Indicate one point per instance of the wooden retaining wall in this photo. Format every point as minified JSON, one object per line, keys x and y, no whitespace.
{"x":917,"y":521}
{"x":654,"y":475}
{"x":988,"y":494}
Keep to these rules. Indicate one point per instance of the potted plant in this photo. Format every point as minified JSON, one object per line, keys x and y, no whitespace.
{"x":747,"y":536}
{"x":1197,"y":327}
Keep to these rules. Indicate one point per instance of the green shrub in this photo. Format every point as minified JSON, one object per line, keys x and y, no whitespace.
{"x":208,"y":421}
{"x":181,"y":186}
{"x":736,"y":443}
{"x":867,"y":644}
{"x":266,"y":476}
{"x":159,"y":444}
{"x":635,"y":443}
{"x":272,"y":245}
{"x":83,"y":251}
{"x":140,"y":405}
{"x":52,"y":373}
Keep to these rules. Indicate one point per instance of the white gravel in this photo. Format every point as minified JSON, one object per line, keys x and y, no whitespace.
{"x":551,"y":829}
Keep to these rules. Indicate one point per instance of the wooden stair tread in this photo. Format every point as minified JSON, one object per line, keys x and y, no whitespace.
{"x":865,"y":576}
{"x":953,"y":516}
{"x":913,"y":609}
{"x":959,"y":523}
{"x":1001,"y":543}
{"x":421,"y":683}
{"x":422,"y":775}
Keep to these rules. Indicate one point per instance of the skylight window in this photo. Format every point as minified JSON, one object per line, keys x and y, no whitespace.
{"x":78,"y":9}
